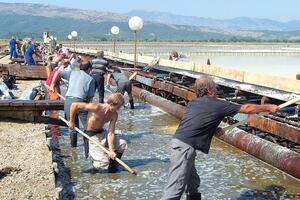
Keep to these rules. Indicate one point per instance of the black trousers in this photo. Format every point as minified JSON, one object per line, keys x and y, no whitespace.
{"x":99,"y":79}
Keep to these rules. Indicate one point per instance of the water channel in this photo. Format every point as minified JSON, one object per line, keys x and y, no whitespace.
{"x":226,"y":172}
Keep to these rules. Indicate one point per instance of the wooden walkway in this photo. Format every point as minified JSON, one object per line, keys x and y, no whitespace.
{"x":28,"y":110}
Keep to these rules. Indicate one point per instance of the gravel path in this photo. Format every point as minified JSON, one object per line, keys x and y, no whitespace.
{"x":25,"y":160}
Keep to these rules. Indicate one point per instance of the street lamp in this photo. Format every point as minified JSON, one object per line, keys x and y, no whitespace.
{"x":135,"y":24}
{"x":115,"y":31}
{"x":74,"y":35}
{"x":70,"y":37}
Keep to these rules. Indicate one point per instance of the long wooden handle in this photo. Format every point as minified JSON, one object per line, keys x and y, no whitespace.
{"x":290,"y":102}
{"x":133,"y":75}
{"x":99,"y":145}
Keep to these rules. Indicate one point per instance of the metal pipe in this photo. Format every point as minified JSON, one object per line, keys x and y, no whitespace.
{"x":278,"y":156}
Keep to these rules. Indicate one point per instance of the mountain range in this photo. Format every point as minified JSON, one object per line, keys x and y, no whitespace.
{"x":23,"y":19}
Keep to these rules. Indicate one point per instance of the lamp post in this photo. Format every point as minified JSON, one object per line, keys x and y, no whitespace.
{"x":135,"y":24}
{"x":74,"y":35}
{"x":115,"y":31}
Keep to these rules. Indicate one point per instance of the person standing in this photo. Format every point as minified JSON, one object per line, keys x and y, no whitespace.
{"x":31,"y":49}
{"x":98,"y":71}
{"x":196,"y":129}
{"x":81,"y":88}
{"x":12,"y":47}
{"x":55,"y":85}
{"x":100,"y":114}
{"x":123,"y":83}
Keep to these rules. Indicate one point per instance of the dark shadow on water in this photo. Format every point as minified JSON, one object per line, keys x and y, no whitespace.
{"x":272,"y":192}
{"x":145,"y":161}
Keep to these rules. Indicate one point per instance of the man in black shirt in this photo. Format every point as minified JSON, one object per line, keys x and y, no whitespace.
{"x":197,"y":127}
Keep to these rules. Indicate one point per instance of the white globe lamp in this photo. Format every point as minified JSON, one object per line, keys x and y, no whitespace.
{"x":135,"y":24}
{"x":74,"y":34}
{"x":70,"y":37}
{"x":115,"y":31}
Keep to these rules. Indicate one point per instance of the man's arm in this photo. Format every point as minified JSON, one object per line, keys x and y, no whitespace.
{"x":79,"y":106}
{"x":253,"y":108}
{"x":56,"y":77}
{"x":111,"y":136}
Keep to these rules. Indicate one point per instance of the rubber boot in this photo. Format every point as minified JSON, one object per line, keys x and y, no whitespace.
{"x":73,"y":137}
{"x":131,"y":104}
{"x":113,"y":164}
{"x":86,"y":147}
{"x":195,"y":196}
{"x":90,"y":169}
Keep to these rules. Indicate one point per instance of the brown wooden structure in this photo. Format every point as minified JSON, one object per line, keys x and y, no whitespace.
{"x":25,"y":71}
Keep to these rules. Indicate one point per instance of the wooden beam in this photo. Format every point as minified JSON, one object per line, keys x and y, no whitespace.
{"x":25,"y":71}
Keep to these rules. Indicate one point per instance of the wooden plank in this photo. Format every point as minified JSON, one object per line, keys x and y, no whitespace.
{"x":286,"y":84}
{"x":5,"y":102}
{"x":277,"y":128}
{"x":177,"y":64}
{"x":26,"y":71}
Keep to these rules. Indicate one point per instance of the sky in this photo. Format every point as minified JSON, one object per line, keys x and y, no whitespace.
{"x":280,"y":10}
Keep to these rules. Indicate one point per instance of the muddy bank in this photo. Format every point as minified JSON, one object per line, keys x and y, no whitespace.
{"x":25,"y":162}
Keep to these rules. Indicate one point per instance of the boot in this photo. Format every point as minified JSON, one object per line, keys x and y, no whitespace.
{"x":131,"y":104}
{"x":73,"y":137}
{"x":195,"y":196}
{"x":86,"y":147}
{"x":90,"y":169}
{"x":113,"y":164}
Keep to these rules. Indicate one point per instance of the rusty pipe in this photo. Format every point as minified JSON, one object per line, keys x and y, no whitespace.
{"x":166,"y":105}
{"x":278,"y":156}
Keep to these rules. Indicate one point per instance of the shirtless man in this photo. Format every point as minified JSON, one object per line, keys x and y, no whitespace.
{"x":98,"y":115}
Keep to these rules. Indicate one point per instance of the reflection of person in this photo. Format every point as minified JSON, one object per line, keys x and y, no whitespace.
{"x":123,"y":83}
{"x":195,"y":132}
{"x":100,"y":114}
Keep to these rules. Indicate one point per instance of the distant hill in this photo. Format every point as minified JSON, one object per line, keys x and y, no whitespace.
{"x":241,"y":23}
{"x":24,"y":20}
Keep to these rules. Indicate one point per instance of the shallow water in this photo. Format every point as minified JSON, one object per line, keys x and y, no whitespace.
{"x":226,"y":172}
{"x":283,"y":66}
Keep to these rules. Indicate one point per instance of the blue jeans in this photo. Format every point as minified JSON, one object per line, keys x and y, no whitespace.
{"x":13,"y":52}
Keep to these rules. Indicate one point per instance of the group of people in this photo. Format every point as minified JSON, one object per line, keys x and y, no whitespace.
{"x":196,"y":129}
{"x":26,"y":49}
{"x":84,"y":76}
